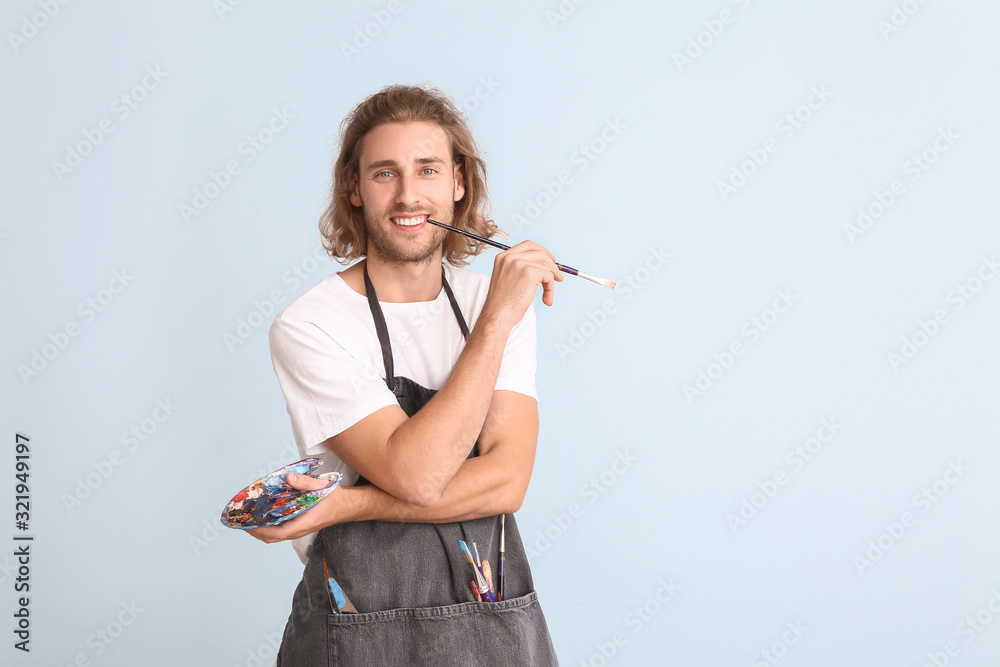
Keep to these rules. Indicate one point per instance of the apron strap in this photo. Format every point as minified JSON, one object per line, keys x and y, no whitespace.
{"x":383,"y":331}
{"x":454,"y":306}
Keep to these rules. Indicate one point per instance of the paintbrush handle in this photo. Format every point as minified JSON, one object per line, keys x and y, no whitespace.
{"x":503,"y":532}
{"x":496,"y":244}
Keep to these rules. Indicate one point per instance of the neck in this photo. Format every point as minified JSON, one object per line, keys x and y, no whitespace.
{"x":405,"y":282}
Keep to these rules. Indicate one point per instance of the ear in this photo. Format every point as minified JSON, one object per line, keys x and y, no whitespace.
{"x":355,"y":194}
{"x":459,"y":180}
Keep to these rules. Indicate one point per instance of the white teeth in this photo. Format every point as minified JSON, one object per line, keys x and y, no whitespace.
{"x":408,"y":222}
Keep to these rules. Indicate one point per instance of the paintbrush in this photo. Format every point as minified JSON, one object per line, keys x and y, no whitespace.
{"x":467,"y":552}
{"x":488,"y":574}
{"x":500,"y":572}
{"x":330,"y":589}
{"x":339,"y":601}
{"x":480,"y":579}
{"x":496,"y":244}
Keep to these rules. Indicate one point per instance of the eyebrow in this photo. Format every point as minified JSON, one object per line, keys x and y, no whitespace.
{"x":392,"y":163}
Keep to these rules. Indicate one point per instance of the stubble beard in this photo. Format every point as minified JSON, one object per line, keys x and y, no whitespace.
{"x":386,"y":249}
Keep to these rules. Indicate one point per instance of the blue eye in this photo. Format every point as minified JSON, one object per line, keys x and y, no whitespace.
{"x":383,"y":174}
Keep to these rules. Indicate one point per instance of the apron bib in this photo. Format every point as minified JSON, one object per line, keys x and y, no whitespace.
{"x":411,"y":583}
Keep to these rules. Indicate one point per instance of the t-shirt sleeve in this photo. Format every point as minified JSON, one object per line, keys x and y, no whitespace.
{"x":326,"y":388}
{"x":517,"y":369}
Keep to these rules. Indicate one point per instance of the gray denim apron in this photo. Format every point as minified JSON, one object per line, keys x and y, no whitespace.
{"x":410,"y":582}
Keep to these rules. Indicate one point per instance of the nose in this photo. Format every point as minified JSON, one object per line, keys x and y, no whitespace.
{"x":407,"y":194}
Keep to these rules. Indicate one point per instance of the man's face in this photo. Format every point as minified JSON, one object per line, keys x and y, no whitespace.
{"x":405,"y":176}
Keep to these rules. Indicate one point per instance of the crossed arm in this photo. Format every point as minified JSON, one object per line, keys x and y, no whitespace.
{"x":417,"y":465}
{"x":494,"y":482}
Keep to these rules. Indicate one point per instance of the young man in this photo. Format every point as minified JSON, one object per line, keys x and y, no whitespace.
{"x":415,"y":380}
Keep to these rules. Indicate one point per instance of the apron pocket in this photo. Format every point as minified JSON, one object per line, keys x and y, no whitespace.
{"x":509,"y":633}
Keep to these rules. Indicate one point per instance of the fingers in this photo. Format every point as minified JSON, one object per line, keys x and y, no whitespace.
{"x":300,"y":525}
{"x":268,"y":535}
{"x":517,"y":273}
{"x":289,"y":530}
{"x":548,"y":292}
{"x":531,"y":248}
{"x":530,"y":254}
{"x":305,"y":482}
{"x":531,"y":245}
{"x":548,"y":272}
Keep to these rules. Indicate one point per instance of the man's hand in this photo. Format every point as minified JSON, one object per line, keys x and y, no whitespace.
{"x":415,"y":458}
{"x":338,"y":507}
{"x":492,"y":483}
{"x":516,"y":275}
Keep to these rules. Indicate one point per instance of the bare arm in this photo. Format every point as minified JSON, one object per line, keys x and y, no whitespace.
{"x":492,"y":483}
{"x":495,"y":482}
{"x":414,"y":459}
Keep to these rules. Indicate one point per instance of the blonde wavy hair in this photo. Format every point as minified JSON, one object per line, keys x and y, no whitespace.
{"x":342,"y":224}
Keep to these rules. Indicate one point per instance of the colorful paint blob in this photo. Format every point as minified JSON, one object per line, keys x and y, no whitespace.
{"x":270,"y":501}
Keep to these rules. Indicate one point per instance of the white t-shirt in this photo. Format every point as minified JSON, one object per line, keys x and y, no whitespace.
{"x":328,"y":361}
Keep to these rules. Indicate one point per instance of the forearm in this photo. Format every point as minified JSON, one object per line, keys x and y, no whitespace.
{"x":492,"y":483}
{"x":415,"y":458}
{"x":483,"y":486}
{"x":426,"y":452}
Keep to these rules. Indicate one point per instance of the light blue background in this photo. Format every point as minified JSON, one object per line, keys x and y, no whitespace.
{"x":538,"y":86}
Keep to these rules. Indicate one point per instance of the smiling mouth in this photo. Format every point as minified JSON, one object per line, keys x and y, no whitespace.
{"x":409,"y":221}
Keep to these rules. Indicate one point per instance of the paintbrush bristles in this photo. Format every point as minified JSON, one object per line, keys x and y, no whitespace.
{"x":600,"y":281}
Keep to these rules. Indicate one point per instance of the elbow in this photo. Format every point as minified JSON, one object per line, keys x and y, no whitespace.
{"x":514,"y":498}
{"x":414,"y":480}
{"x":420,"y":493}
{"x":424,"y":499}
